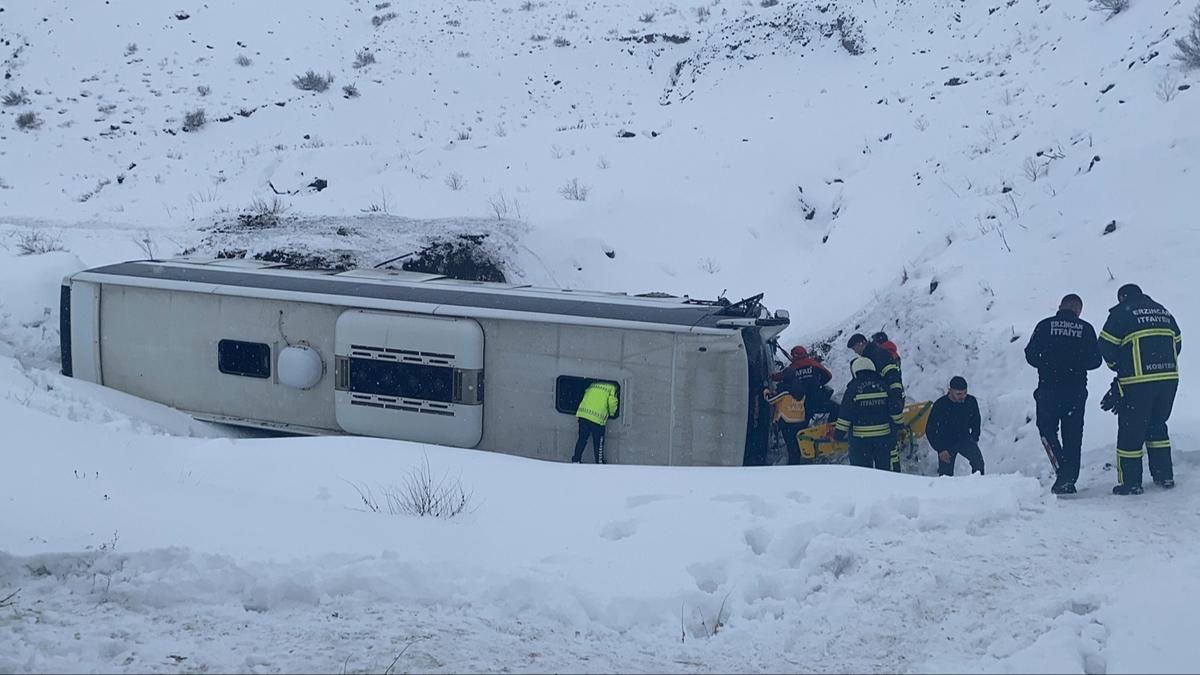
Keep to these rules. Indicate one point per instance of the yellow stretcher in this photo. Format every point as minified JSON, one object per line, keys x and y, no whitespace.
{"x":817,"y":444}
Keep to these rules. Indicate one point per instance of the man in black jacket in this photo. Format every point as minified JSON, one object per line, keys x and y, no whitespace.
{"x":953,"y":428}
{"x":1063,"y":348}
{"x":1141,"y":342}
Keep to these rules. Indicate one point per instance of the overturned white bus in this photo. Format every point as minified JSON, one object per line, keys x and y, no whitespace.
{"x":421,"y":357}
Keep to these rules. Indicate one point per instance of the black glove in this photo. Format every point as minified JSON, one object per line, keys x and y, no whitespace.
{"x":1112,"y":398}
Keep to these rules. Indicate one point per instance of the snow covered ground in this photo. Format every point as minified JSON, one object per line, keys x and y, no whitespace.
{"x":942,"y":170}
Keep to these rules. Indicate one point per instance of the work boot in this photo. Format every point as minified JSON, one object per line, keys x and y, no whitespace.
{"x":1122,"y":489}
{"x":1064,"y":489}
{"x":1166,"y":483}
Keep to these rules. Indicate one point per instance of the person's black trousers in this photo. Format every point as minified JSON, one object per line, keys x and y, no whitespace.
{"x":966,"y":448}
{"x":1142,"y":421}
{"x":879,"y":452}
{"x":1062,"y":406}
{"x":789,"y":431}
{"x":588,"y":428}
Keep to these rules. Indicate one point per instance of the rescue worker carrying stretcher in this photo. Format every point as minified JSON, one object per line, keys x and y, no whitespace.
{"x":865,"y":417}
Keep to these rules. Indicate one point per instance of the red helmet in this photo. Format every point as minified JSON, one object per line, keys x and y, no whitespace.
{"x":799,"y":352}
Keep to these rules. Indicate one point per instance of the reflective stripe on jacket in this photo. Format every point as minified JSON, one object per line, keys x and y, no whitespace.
{"x":787,"y":407}
{"x":1141,"y":342}
{"x":599,"y":403}
{"x":864,"y":411}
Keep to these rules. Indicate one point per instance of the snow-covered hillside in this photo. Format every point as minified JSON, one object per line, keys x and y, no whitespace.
{"x":940,"y":169}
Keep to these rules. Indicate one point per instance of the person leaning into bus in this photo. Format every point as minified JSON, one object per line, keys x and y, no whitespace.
{"x":598,"y":404}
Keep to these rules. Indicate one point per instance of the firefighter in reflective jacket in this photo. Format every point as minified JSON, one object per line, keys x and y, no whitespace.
{"x":865,"y":417}
{"x":887,"y":369}
{"x":1141,"y":342}
{"x":598,"y":404}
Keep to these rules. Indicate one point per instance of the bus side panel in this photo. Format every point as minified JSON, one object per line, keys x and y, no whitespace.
{"x":710,"y":400}
{"x":524,"y":361}
{"x":81,"y":341}
{"x":164,"y":345}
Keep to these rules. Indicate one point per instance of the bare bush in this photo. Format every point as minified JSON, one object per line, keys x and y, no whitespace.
{"x":242,"y":60}
{"x":768,"y":3}
{"x":379,"y":7}
{"x":574,"y":191}
{"x":204,"y":90}
{"x":131,"y":49}
{"x":363,"y":58}
{"x":527,"y":6}
{"x":380,"y":19}
{"x":1113,"y":7}
{"x":463,"y":135}
{"x":646,"y":17}
{"x":538,"y":37}
{"x":561,"y":41}
{"x":455,"y":181}
{"x":28,"y":120}
{"x":603,"y":162}
{"x":421,"y":493}
{"x":1034,"y":169}
{"x":1168,"y":87}
{"x":350,"y":91}
{"x":1189,"y":45}
{"x":504,"y":208}
{"x":37,"y":242}
{"x":311,"y":81}
{"x":262,"y":213}
{"x":146,"y":244}
{"x":702,"y":13}
{"x":15,"y":98}
{"x":194,"y":120}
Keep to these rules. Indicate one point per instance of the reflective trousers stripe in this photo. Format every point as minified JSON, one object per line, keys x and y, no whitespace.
{"x":1157,"y":377}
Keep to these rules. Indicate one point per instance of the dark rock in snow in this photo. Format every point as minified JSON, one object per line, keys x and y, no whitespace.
{"x":954,"y":82}
{"x":625,"y":134}
{"x":1110,"y":228}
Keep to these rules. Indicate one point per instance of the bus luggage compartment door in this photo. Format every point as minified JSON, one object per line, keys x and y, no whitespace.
{"x":410,"y":377}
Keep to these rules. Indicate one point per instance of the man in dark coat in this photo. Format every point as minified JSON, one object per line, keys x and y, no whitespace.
{"x":1063,"y":348}
{"x":953,"y":428}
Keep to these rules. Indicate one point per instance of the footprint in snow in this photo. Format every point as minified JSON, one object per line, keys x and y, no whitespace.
{"x":618,"y":530}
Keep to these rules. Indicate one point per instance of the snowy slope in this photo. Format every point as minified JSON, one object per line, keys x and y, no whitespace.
{"x":947,"y":184}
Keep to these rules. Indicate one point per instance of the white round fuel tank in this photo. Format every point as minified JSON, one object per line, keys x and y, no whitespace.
{"x":300,"y":367}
